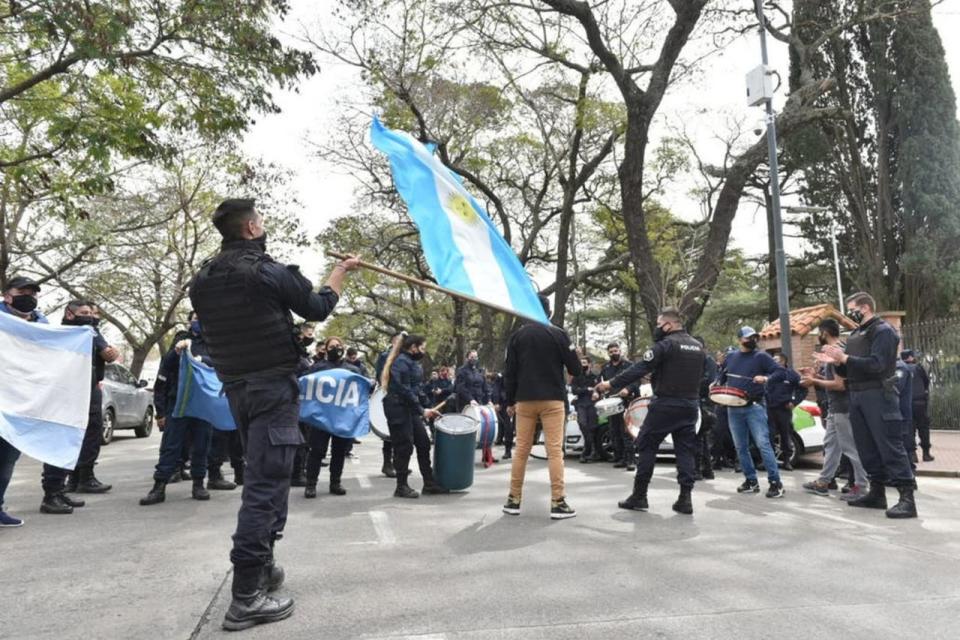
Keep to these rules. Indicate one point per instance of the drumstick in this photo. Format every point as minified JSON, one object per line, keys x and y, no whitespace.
{"x":734,"y":375}
{"x":437,"y":408}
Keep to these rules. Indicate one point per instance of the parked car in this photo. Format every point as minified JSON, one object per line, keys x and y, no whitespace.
{"x":127,"y":404}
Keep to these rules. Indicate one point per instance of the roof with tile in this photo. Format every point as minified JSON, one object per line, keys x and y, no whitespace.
{"x":805,"y":320}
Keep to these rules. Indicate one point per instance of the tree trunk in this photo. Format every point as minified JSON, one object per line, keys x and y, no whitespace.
{"x":459,"y":326}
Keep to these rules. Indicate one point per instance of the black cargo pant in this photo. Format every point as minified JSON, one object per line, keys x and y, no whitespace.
{"x":618,"y":438}
{"x":921,"y":424}
{"x":877,"y":430}
{"x":406,"y":433}
{"x":93,"y":436}
{"x":319,"y":442}
{"x":587,"y":421}
{"x":266,"y":412}
{"x":708,"y":420}
{"x":224,"y":445}
{"x":507,"y":427}
{"x":780,"y":421}
{"x":677,"y":421}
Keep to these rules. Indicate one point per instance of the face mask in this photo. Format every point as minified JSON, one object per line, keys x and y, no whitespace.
{"x":472,"y":362}
{"x":615,"y":357}
{"x":306,"y":342}
{"x":83,"y":321}
{"x":24,"y":303}
{"x":417,"y":355}
{"x":659,"y":334}
{"x":334,"y":354}
{"x":261,"y":242}
{"x":855,"y":314}
{"x":750,"y":343}
{"x":195,"y":327}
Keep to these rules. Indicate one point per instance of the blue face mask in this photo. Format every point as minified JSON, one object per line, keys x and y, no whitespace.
{"x":195,"y":327}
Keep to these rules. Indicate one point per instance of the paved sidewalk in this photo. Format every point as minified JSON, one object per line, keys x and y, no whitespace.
{"x":945,"y":449}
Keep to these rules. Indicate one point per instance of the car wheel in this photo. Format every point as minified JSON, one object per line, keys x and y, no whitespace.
{"x":109,"y":423}
{"x":146,"y":427}
{"x":606,"y":444}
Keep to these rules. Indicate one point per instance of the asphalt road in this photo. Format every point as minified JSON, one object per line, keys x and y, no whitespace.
{"x":453,"y":567}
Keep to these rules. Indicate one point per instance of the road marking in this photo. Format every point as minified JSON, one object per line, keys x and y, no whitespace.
{"x":364,"y":481}
{"x":382,"y":526}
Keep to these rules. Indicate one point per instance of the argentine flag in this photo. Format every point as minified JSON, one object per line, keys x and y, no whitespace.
{"x":200,"y":395}
{"x":465,"y":251}
{"x":45,"y":380}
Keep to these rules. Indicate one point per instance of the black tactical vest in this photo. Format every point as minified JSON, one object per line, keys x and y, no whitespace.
{"x":245,"y":327}
{"x":859,"y":345}
{"x":682,"y":370}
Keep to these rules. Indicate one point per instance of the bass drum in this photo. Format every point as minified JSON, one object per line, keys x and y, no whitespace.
{"x":378,"y":419}
{"x":486,"y":418}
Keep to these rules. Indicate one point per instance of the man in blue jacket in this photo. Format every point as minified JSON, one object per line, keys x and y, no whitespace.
{"x":175,"y":429}
{"x":783,"y":394}
{"x":747,"y":370}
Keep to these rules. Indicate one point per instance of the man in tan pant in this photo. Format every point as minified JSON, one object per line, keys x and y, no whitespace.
{"x":536,"y":390}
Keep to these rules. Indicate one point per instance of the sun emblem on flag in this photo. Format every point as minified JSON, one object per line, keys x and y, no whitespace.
{"x":462,"y":207}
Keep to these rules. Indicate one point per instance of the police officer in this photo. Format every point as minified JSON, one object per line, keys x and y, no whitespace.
{"x":919,"y":398}
{"x":470,"y":384}
{"x":245,"y":298}
{"x":81,"y":313}
{"x":387,"y":450}
{"x":676,"y":362}
{"x":175,"y":430}
{"x":405,"y":411}
{"x":319,"y":439}
{"x":869,"y":365}
{"x":582,"y":386}
{"x":622,"y":453}
{"x":783,"y":394}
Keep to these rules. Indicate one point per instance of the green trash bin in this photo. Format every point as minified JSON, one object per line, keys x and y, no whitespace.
{"x":455,"y":444}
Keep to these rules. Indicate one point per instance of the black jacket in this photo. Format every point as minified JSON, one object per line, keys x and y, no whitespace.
{"x":471,"y":386}
{"x":536,"y":357}
{"x":168,"y":376}
{"x":406,"y":381}
{"x":582,"y":387}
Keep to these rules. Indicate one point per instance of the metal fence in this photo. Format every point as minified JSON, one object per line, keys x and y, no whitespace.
{"x":938,"y":345}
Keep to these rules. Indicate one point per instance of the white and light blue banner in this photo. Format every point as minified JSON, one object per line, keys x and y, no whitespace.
{"x":45,"y":380}
{"x":464,"y":249}
{"x":200,"y":395}
{"x":336,"y":401}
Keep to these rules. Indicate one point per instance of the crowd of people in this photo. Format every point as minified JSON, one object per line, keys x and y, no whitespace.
{"x":874,"y":405}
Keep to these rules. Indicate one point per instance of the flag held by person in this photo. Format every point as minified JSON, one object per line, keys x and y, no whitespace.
{"x":45,"y":384}
{"x":337,"y":401}
{"x":200,"y":395}
{"x":463,"y":248}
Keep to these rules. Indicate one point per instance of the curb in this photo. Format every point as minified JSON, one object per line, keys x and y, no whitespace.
{"x":932,"y":473}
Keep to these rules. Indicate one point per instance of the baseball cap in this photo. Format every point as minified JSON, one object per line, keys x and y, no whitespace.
{"x":746,"y":332}
{"x":22,"y":282}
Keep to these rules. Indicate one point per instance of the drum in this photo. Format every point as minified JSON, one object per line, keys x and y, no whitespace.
{"x":729,"y":396}
{"x":609,"y":407}
{"x":634,"y":416}
{"x":378,"y":419}
{"x":486,"y":418}
{"x":453,"y":453}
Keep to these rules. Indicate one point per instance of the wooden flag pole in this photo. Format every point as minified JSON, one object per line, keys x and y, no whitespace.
{"x":429,"y":285}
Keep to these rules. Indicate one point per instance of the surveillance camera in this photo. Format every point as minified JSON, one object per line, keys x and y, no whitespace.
{"x":758,"y":132}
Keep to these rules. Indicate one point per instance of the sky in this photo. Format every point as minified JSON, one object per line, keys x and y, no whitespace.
{"x":704,"y":105}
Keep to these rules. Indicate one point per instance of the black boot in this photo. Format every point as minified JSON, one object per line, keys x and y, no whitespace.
{"x":76,"y":504}
{"x":876,"y":498}
{"x":71,"y":482}
{"x":199,"y":492}
{"x":217,"y":482}
{"x":926,"y":456}
{"x":636,"y":501}
{"x":88,"y":483}
{"x":273,"y":576}
{"x":430,"y":487}
{"x":310,"y":491}
{"x":683,"y":503}
{"x":507,"y":453}
{"x":337,"y":489}
{"x":403,"y":489}
{"x":251,"y":605}
{"x":157,"y":495}
{"x":906,"y":507}
{"x":387,"y":468}
{"x":54,"y":503}
{"x":175,"y":478}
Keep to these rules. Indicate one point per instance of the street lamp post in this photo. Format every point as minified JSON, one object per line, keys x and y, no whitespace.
{"x":783,"y":298}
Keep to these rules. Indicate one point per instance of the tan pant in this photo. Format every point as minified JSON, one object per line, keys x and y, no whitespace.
{"x":551,"y":414}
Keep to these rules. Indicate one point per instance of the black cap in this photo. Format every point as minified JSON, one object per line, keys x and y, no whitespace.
{"x":906,"y":353}
{"x":22,"y":282}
